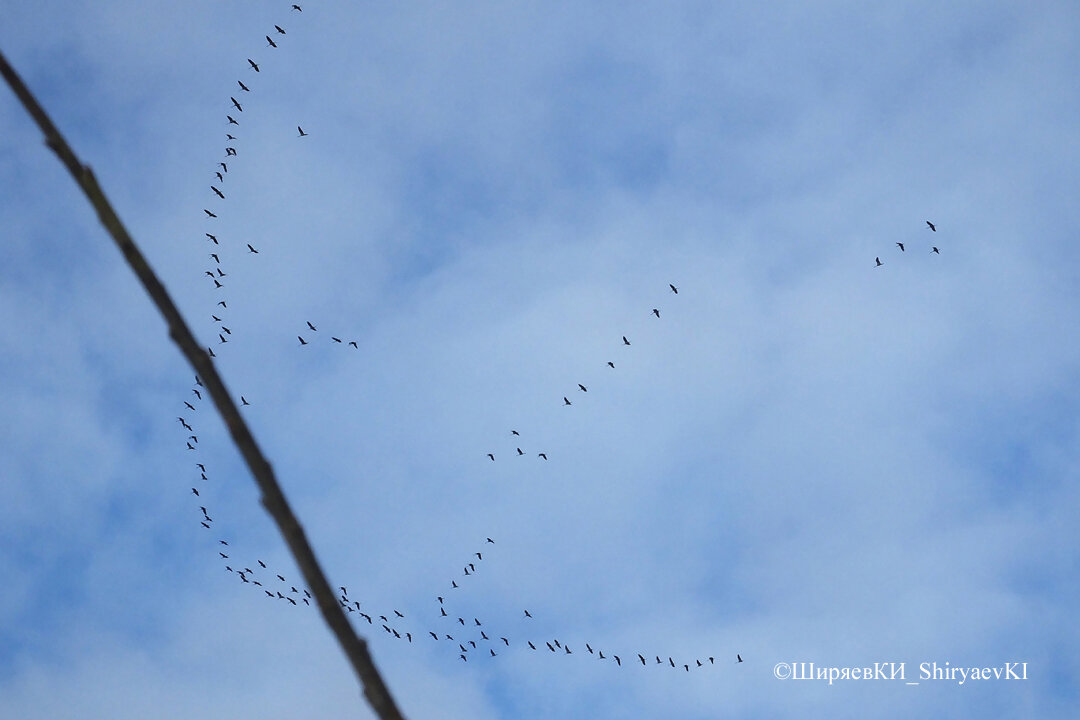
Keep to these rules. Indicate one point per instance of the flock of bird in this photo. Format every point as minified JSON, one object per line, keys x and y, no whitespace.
{"x":468,"y":638}
{"x":933,"y":248}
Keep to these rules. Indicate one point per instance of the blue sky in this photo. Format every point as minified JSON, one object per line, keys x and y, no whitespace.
{"x":804,"y":459}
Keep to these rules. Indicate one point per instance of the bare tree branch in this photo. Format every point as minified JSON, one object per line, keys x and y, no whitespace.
{"x":355,"y":647}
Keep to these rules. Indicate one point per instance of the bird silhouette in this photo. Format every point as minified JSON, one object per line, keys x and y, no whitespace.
{"x":243,"y":401}
{"x":737,"y":657}
{"x":490,"y":455}
{"x":220,"y":177}
{"x":231,"y":152}
{"x":224,"y":167}
{"x":617,"y":660}
{"x":297,"y":8}
{"x":935,"y":250}
{"x":625,"y":341}
{"x":311,"y":326}
{"x":656,"y":312}
{"x":251,"y":249}
{"x":641,"y":658}
{"x":232,"y":120}
{"x":243,"y":86}
{"x":878,"y":262}
{"x":583,"y":388}
{"x":302,"y":133}
{"x":337,"y":340}
{"x":520,"y":452}
{"x":208,"y":213}
{"x":189,"y":405}
{"x":195,"y":491}
{"x":673,"y":288}
{"x":901,"y":246}
{"x":543,"y":455}
{"x":278,"y":28}
{"x":566,"y":400}
{"x":353,"y":343}
{"x":931,"y":226}
{"x":302,"y":340}
{"x":217,"y":192}
{"x":272,"y":43}
{"x":236,"y":104}
{"x":253,"y":64}
{"x":527,"y":614}
{"x":611,"y":364}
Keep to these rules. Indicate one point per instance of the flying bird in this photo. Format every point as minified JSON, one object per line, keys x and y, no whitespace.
{"x":337,"y":340}
{"x":931,"y":226}
{"x":583,"y":388}
{"x":236,"y":104}
{"x":251,"y":249}
{"x":656,"y":312}
{"x":737,"y":657}
{"x":520,"y":452}
{"x":302,"y":340}
{"x":527,"y":614}
{"x":278,"y":28}
{"x":224,"y":166}
{"x":353,"y":343}
{"x":232,"y":121}
{"x":297,"y":8}
{"x":302,"y":133}
{"x":610,"y":364}
{"x":243,"y":401}
{"x":641,"y":658}
{"x":490,"y":455}
{"x":243,"y":86}
{"x":231,"y":152}
{"x":253,"y":64}
{"x":878,"y":261}
{"x":195,"y":491}
{"x":625,"y":341}
{"x":189,"y":405}
{"x":673,"y":288}
{"x":935,"y":250}
{"x":617,"y":660}
{"x":901,"y":246}
{"x":311,"y":326}
{"x":217,"y":192}
{"x":220,"y":177}
{"x":208,"y":213}
{"x":566,"y":400}
{"x":543,"y":455}
{"x":272,"y":43}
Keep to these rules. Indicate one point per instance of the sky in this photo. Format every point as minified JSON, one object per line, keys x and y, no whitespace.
{"x":806,"y":458}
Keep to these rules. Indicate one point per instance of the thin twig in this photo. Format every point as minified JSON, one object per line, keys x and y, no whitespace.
{"x":355,"y":647}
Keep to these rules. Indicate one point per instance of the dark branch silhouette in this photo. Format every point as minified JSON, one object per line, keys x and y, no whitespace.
{"x":355,"y":647}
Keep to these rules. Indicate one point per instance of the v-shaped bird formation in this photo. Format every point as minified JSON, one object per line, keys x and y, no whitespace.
{"x":467,"y":637}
